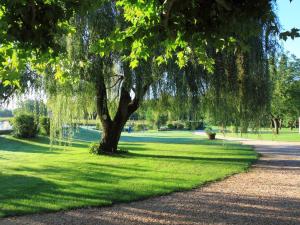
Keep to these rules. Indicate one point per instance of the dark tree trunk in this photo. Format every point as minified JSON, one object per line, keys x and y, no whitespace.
{"x":110,"y":137}
{"x":236,"y":129}
{"x":112,"y":128}
{"x":244,"y":127}
{"x":276,"y":125}
{"x":280,"y":123}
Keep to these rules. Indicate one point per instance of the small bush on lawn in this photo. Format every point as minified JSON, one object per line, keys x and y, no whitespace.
{"x":179,"y":126}
{"x":94,"y":148}
{"x":171,"y":126}
{"x":193,"y":125}
{"x":163,"y":128}
{"x":188,"y":125}
{"x":45,"y":126}
{"x":25,"y":126}
{"x":150,"y":126}
{"x":98,"y":126}
{"x":139,"y":127}
{"x":161,"y":120}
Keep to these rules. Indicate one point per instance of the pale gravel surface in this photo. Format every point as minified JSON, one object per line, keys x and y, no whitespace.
{"x":268,"y":194}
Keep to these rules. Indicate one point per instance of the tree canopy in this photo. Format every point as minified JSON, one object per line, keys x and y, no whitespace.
{"x":107,"y":56}
{"x":285,"y":76}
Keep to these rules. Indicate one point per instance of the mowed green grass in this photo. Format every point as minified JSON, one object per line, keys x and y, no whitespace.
{"x":34,"y":178}
{"x":5,"y":118}
{"x":284,"y":135}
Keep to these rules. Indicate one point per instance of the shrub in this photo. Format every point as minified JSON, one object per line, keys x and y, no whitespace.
{"x":45,"y":126}
{"x":170,"y":126}
{"x":163,"y":128}
{"x":150,"y":126}
{"x":188,"y":125}
{"x":193,"y":125}
{"x":209,"y":131}
{"x":234,"y":129}
{"x":161,"y":120}
{"x":94,"y":148}
{"x":179,"y":126}
{"x":98,"y":126}
{"x":25,"y":126}
{"x":139,"y":127}
{"x":197,"y":125}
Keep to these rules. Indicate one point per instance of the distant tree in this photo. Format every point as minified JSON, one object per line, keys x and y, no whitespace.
{"x":285,"y":107}
{"x":34,"y":107}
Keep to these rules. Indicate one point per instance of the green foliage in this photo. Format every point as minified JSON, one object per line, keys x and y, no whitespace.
{"x":36,"y":24}
{"x":239,"y":92}
{"x":139,"y":127}
{"x":193,"y":125}
{"x":25,"y":126}
{"x":16,"y":75}
{"x":170,"y":126}
{"x":98,"y":126}
{"x":161,"y":26}
{"x":293,"y":33}
{"x":35,"y":107}
{"x":209,"y":131}
{"x":68,"y":108}
{"x":179,"y":126}
{"x":161,"y":120}
{"x":44,"y":125}
{"x":94,"y":149}
{"x":285,"y":104}
{"x":166,"y":50}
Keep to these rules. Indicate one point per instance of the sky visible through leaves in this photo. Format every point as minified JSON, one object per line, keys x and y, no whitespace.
{"x":289,"y":16}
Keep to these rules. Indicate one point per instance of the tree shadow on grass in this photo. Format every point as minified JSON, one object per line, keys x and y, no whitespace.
{"x":93,"y":183}
{"x":17,"y":188}
{"x":87,"y":135}
{"x":22,"y":145}
{"x":186,"y":208}
{"x":202,"y":208}
{"x":196,"y":158}
{"x":98,"y":184}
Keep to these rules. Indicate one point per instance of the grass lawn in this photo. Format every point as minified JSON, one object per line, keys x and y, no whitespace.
{"x":5,"y":118}
{"x":284,"y":135}
{"x":37,"y":179}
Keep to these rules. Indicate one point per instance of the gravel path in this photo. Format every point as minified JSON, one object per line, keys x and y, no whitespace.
{"x":268,"y":194}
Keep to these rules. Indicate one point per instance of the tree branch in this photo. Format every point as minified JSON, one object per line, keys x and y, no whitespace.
{"x":169,"y":4}
{"x":101,"y":95}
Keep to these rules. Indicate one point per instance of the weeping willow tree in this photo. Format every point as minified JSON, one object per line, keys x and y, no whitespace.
{"x":179,"y":92}
{"x":84,"y":82}
{"x":239,"y":92}
{"x":107,"y":68}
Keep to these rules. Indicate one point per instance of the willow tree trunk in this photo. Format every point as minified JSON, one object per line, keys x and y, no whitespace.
{"x":244,"y":127}
{"x":276,"y":125}
{"x":127,"y":104}
{"x":110,"y":137}
{"x":112,"y":128}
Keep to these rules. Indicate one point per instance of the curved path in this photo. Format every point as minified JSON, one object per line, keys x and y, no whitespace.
{"x":268,"y":194}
